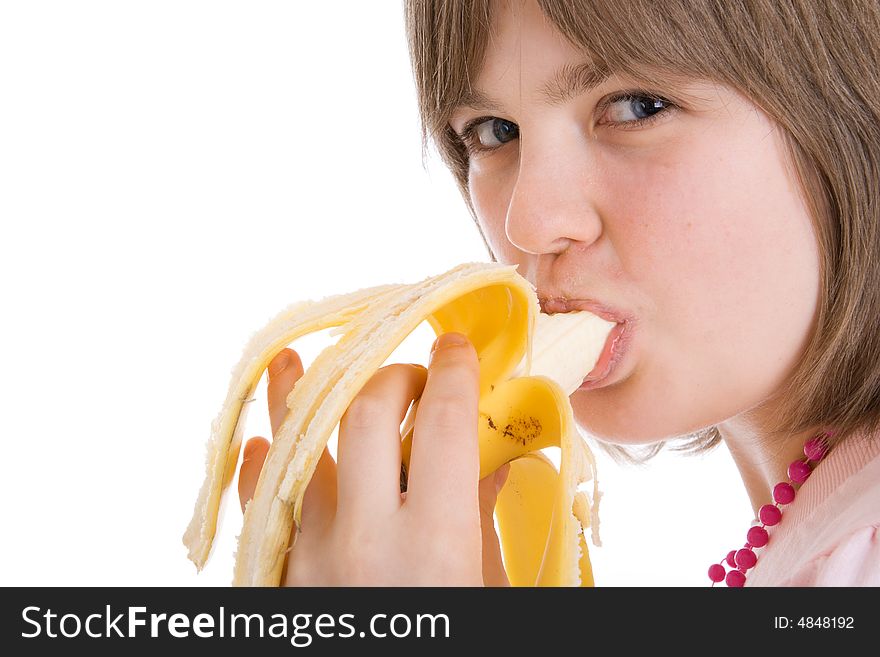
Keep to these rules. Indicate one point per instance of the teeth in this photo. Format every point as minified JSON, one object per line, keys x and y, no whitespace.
{"x":566,"y":347}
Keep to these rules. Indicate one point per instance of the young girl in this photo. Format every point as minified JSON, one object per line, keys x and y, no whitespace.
{"x":706,"y":172}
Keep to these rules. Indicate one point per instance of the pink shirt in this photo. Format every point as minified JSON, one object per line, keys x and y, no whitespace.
{"x":829,"y":535}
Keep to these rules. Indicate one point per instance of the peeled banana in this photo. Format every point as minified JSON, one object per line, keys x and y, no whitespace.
{"x":529,"y":364}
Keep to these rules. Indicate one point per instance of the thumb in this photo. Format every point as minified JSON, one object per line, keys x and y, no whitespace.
{"x":493,"y":565}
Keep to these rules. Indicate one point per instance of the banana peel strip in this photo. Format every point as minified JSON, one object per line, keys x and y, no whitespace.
{"x":223,"y":447}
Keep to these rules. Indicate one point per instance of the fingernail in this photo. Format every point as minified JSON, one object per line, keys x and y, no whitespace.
{"x":279,"y":363}
{"x":448,"y":340}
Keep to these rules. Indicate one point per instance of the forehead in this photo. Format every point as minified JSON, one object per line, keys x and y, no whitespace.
{"x":525,"y":51}
{"x":565,"y":83}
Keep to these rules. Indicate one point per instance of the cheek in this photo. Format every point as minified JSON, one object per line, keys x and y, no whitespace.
{"x":726,"y":242}
{"x":719,"y":245}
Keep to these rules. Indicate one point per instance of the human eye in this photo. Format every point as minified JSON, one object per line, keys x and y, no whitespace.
{"x":634,"y":109}
{"x":487,"y":133}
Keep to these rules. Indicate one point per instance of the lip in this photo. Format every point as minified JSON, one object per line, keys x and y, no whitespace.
{"x":552,"y":305}
{"x":615,"y":347}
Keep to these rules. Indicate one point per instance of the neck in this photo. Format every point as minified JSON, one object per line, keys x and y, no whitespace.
{"x":761,"y":463}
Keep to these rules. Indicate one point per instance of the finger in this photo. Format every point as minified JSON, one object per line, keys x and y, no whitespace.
{"x":369,"y":441}
{"x":254,"y":454}
{"x":445,"y":463}
{"x":285,"y":369}
{"x":493,"y":565}
{"x":319,"y":500}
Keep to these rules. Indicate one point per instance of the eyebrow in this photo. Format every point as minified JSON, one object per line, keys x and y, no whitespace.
{"x":566,"y":83}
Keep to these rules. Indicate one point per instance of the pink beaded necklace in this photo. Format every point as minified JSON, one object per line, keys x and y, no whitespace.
{"x":769,"y":515}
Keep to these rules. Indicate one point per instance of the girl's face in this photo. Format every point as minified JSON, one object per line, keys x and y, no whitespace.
{"x":677,"y":209}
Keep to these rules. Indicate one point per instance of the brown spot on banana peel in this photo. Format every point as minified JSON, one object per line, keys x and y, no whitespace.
{"x":524,"y":429}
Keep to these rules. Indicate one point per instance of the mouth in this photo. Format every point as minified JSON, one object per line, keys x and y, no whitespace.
{"x":616,"y":342}
{"x":612,"y":354}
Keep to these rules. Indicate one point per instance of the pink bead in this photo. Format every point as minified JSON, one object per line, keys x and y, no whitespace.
{"x":757,"y":537}
{"x":746,"y":559}
{"x":770,"y":515}
{"x":798,"y":471}
{"x":783,"y":493}
{"x":716,"y":572}
{"x":735,"y":578}
{"x":815,"y":448}
{"x":731,"y":559}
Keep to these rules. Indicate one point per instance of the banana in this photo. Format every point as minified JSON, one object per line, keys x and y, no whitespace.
{"x":565,"y":347}
{"x":529,"y":364}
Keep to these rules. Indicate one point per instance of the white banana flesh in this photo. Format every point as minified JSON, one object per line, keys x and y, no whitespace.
{"x":565,"y":347}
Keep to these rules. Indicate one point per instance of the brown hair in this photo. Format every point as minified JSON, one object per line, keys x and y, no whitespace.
{"x":811,"y":66}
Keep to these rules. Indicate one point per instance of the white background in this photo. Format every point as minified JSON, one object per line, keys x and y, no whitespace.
{"x":171,"y":175}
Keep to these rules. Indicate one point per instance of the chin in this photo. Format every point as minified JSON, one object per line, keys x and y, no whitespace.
{"x":621,"y":424}
{"x":625,"y":412}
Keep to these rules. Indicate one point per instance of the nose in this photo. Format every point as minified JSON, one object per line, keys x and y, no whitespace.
{"x":554,"y":201}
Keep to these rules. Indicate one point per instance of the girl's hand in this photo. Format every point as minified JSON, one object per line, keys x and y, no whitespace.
{"x":358,"y":529}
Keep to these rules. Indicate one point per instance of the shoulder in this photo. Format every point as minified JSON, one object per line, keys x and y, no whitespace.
{"x":830,"y":536}
{"x":854,"y":560}
{"x":845,"y":495}
{"x":842,"y":538}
